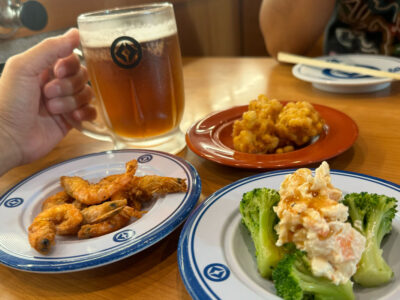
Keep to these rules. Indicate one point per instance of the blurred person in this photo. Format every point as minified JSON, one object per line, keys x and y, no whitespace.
{"x":39,"y":90}
{"x":348,"y":26}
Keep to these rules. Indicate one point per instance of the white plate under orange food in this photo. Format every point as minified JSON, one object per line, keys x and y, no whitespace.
{"x":20,"y":205}
{"x":211,"y":138}
{"x":216,"y":255}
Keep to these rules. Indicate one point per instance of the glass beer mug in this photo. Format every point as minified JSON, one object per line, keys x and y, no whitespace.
{"x":134,"y":62}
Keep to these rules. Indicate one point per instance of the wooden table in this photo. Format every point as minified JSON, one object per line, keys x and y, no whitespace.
{"x":211,"y":84}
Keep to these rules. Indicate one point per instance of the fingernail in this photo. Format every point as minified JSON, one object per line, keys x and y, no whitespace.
{"x":60,"y":72}
{"x":69,"y":30}
{"x":53,"y":91}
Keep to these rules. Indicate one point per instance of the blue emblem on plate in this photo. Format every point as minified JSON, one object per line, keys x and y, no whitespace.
{"x":13,"y":202}
{"x":394,"y":70}
{"x":145,"y":158}
{"x":346,"y":75}
{"x":216,"y":272}
{"x":123,"y":236}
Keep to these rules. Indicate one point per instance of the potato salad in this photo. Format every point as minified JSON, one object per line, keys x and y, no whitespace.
{"x":312,"y":217}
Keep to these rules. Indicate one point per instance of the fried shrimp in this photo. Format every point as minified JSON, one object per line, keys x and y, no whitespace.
{"x":91,"y":194}
{"x":132,"y":202}
{"x":131,"y":167}
{"x":101,"y":212}
{"x":61,"y":198}
{"x":137,"y":208}
{"x":112,"y":224}
{"x":90,"y":209}
{"x":41,"y":235}
{"x":57,"y":199}
{"x":146,"y":187}
{"x":61,"y":219}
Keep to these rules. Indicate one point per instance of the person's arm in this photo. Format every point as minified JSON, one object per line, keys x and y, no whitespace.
{"x":10,"y":155}
{"x":39,"y":89}
{"x":293,"y":25}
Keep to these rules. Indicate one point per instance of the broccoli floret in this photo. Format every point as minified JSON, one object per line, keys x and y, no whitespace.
{"x":294,"y":280}
{"x":260,"y":219}
{"x":372,"y":216}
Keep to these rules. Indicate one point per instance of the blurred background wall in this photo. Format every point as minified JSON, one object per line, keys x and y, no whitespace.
{"x":205,"y":27}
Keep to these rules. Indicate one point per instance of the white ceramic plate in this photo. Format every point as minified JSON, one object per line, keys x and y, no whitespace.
{"x":216,"y":254}
{"x":20,"y":205}
{"x":343,"y":82}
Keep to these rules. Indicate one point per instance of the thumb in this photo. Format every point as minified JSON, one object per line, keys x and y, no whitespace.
{"x":46,"y":53}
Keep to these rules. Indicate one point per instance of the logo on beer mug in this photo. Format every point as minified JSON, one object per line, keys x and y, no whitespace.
{"x":126,"y":52}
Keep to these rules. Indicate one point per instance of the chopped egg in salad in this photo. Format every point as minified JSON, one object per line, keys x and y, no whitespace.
{"x":313,"y":218}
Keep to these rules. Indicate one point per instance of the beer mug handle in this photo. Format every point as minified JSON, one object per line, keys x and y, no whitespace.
{"x":92,"y":128}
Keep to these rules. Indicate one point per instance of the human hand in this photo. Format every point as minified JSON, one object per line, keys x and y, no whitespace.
{"x":39,"y":90}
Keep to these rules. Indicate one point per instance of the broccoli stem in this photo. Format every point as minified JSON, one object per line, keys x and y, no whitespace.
{"x":268,"y":254}
{"x":259,"y":217}
{"x":372,"y":269}
{"x":324,"y":291}
{"x":372,"y":216}
{"x":322,"y":288}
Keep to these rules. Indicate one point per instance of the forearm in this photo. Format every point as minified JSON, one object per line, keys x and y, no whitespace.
{"x":10,"y":156}
{"x":293,"y":26}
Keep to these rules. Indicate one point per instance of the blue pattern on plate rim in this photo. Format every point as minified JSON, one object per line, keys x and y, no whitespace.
{"x":124,"y":235}
{"x":145,"y":158}
{"x":186,"y":247}
{"x":346,"y":75}
{"x":329,"y":74}
{"x":120,"y":250}
{"x":13,"y":202}
{"x":216,"y":272}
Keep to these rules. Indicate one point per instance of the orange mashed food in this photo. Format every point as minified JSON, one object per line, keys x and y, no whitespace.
{"x":270,"y":127}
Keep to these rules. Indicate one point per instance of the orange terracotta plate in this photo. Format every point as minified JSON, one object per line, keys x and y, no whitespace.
{"x":211,"y":138}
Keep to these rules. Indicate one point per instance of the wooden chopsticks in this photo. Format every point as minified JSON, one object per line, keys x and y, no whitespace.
{"x":297,"y":59}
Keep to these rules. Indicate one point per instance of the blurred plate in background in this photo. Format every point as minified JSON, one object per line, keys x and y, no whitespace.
{"x":343,"y":82}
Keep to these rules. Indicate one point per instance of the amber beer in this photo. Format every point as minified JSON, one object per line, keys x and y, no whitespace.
{"x":143,"y":101}
{"x":134,"y":62}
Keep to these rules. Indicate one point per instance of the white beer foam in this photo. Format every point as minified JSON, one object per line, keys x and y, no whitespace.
{"x":103,"y":37}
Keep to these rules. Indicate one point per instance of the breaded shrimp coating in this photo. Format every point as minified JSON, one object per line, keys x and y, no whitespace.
{"x":93,"y":193}
{"x":110,"y":225}
{"x":298,"y":122}
{"x":64,"y":219}
{"x":90,"y":209}
{"x":61,"y":198}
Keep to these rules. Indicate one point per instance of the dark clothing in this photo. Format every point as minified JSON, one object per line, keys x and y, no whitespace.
{"x":364,"y":26}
